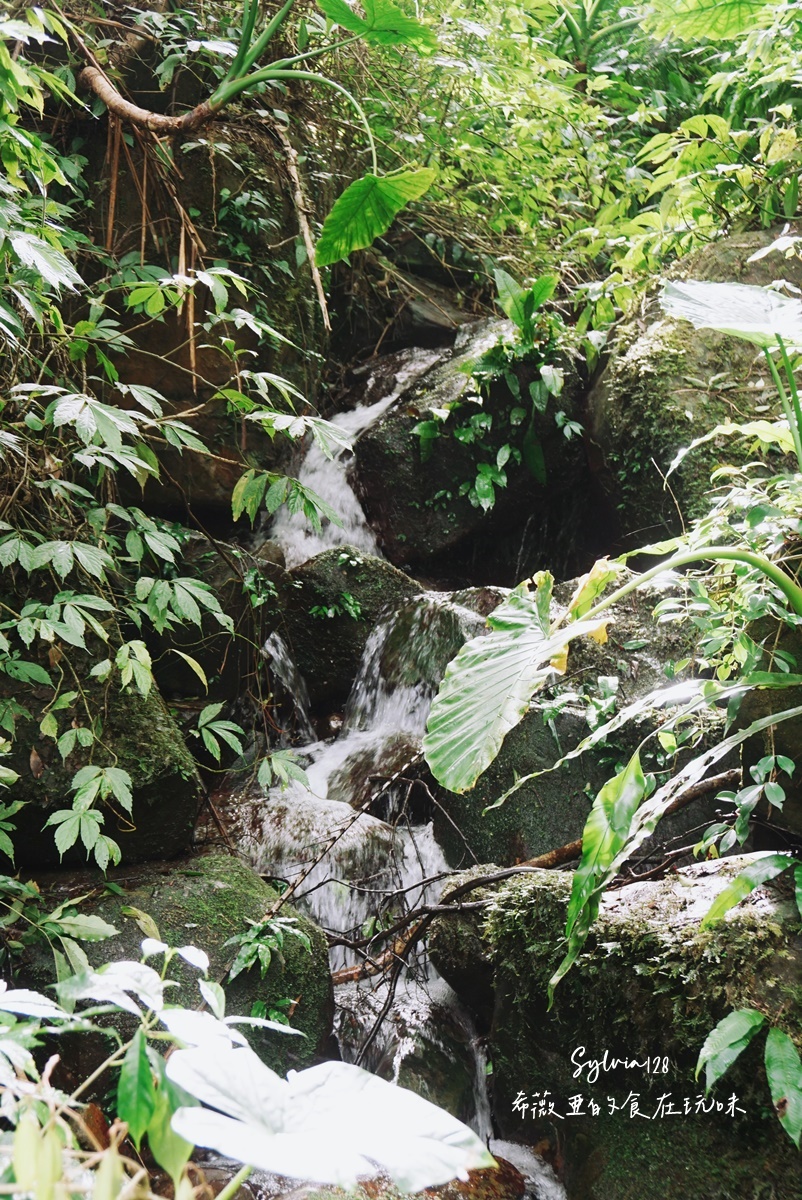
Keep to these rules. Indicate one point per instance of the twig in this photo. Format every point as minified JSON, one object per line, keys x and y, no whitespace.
{"x":291,"y":163}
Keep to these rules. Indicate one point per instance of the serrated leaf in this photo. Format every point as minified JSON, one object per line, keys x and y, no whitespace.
{"x":87,"y":928}
{"x":366,"y":209}
{"x":694,"y":19}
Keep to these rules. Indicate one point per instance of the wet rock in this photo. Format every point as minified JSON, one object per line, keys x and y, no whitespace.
{"x":365,"y":772}
{"x":139,"y":736}
{"x":502,"y":1183}
{"x":200,"y":901}
{"x":335,"y":602}
{"x":551,"y":811}
{"x":649,"y":987}
{"x":667,"y":383}
{"x":410,"y":490}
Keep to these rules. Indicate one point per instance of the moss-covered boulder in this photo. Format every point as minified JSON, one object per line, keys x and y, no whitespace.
{"x":648,"y":989}
{"x":667,"y":383}
{"x":138,"y":735}
{"x":638,"y":658}
{"x":414,"y":489}
{"x":334,"y":603}
{"x":203,"y":902}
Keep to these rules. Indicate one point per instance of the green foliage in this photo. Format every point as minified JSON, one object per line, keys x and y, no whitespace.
{"x":366,"y":209}
{"x":263,"y":941}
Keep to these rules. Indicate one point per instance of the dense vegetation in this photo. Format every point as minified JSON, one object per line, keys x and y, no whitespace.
{"x":547,"y":160}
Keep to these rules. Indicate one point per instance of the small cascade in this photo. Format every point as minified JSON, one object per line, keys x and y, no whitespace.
{"x":328,"y":477}
{"x":277,"y":652}
{"x":360,"y":856}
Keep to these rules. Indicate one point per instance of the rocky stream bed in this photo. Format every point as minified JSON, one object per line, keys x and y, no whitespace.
{"x":362,"y":620}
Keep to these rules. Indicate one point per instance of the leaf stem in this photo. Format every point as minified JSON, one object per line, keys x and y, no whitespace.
{"x":234,"y":1185}
{"x":791,"y":590}
{"x":789,"y":414}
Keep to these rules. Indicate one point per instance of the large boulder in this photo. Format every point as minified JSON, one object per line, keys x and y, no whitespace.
{"x":667,"y":383}
{"x":202,"y":902}
{"x":648,"y":988}
{"x":138,"y":735}
{"x":334,"y":603}
{"x":412,"y":488}
{"x":551,"y":810}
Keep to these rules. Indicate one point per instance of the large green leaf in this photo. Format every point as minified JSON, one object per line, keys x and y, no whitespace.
{"x":366,"y":209}
{"x":488,"y":686}
{"x":784,"y":1072}
{"x":766,"y":867}
{"x":724,"y":1043}
{"x":692,"y":19}
{"x":606,"y":831}
{"x":384,"y":24}
{"x":136,"y":1094}
{"x":755,"y":314}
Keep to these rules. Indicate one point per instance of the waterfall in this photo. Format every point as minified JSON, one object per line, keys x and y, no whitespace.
{"x":328,"y":477}
{"x":379,"y":859}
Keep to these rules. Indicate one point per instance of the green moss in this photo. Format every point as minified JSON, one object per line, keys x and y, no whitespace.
{"x":204,"y":902}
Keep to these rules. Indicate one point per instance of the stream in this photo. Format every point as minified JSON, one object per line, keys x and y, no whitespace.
{"x":359,"y":850}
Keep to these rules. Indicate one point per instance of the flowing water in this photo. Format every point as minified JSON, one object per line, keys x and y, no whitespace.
{"x":328,"y":477}
{"x":354,"y":839}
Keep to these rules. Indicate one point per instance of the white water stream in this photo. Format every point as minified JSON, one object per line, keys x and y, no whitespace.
{"x":328,"y":477}
{"x":374,"y":865}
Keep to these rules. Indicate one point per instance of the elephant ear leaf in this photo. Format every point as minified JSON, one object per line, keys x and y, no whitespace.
{"x":691,"y":19}
{"x":384,"y":23}
{"x":366,"y":209}
{"x":488,"y":686}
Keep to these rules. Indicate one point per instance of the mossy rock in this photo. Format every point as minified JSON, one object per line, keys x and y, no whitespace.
{"x":414,"y":492}
{"x":139,"y":736}
{"x":203,"y":902}
{"x":551,"y":810}
{"x":667,"y":383}
{"x":649,"y":986}
{"x":328,"y":649}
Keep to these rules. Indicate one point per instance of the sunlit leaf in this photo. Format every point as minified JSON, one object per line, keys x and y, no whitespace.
{"x":366,"y":209}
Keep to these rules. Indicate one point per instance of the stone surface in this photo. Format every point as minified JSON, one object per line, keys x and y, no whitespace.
{"x":139,"y":736}
{"x":667,"y":383}
{"x":650,"y":985}
{"x":411,"y":494}
{"x":328,"y":649}
{"x":551,"y":810}
{"x":203,"y":902}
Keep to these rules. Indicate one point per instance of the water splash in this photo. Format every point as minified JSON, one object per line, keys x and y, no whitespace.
{"x":329,"y":477}
{"x":277,"y":652}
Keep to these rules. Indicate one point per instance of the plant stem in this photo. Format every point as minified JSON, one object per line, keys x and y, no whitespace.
{"x":234,"y":1185}
{"x":789,"y":371}
{"x":789,"y":415}
{"x":791,"y":590}
{"x":225,"y":95}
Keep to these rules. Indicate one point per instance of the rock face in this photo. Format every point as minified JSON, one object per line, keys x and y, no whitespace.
{"x":551,"y":810}
{"x":650,"y":987}
{"x":327,"y":644}
{"x":203,"y":902}
{"x":667,"y":383}
{"x":410,"y":488}
{"x":141,"y":737}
